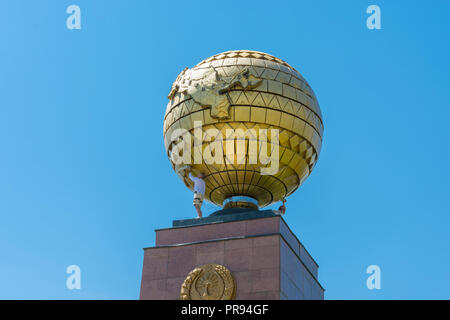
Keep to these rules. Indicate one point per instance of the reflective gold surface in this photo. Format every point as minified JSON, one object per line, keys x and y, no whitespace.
{"x":208,"y":282}
{"x":251,"y":91}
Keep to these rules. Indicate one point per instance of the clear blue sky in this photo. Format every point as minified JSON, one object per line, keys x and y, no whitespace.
{"x":83,"y":174}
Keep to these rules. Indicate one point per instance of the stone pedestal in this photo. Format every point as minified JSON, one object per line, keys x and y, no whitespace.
{"x":265,"y":258}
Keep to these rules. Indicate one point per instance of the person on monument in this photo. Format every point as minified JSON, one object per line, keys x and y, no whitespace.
{"x":199,"y":189}
{"x":282,"y":209}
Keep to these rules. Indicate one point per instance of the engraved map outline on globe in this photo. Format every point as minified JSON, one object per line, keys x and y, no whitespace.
{"x":209,"y":89}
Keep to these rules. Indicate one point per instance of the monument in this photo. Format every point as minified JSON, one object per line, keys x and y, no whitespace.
{"x":252,"y":125}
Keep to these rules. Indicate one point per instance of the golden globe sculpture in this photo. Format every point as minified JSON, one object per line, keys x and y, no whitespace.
{"x":249,"y":121}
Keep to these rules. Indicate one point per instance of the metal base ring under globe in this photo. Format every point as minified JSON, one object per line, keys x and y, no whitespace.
{"x":240,"y":202}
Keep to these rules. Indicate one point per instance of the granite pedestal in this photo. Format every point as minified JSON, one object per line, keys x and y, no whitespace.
{"x":265,"y":258}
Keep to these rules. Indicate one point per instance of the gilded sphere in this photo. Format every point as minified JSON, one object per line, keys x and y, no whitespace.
{"x":248,"y":121}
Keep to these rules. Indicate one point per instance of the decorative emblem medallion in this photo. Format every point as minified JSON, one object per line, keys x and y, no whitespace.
{"x":208,"y":282}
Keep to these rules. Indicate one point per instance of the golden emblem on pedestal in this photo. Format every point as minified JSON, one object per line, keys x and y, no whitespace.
{"x":208,"y":282}
{"x":249,"y":121}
